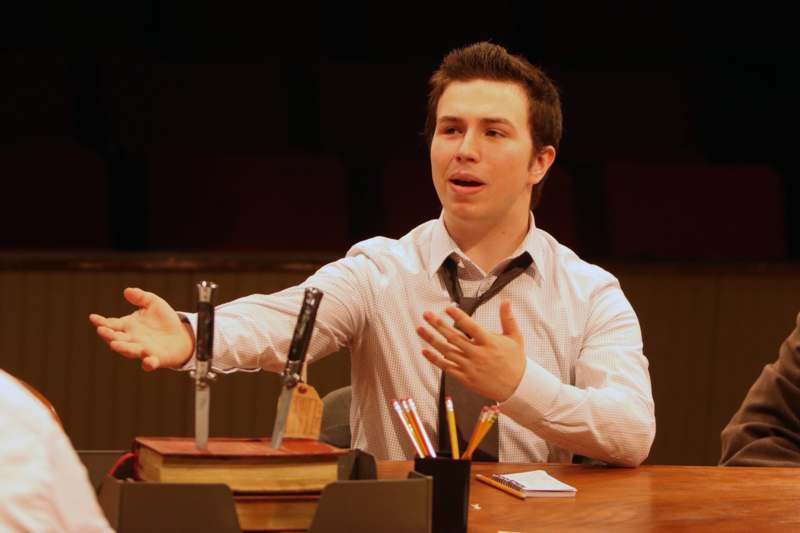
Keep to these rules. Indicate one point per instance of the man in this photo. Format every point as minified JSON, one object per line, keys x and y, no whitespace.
{"x":43,"y":485}
{"x":765,"y":431}
{"x":559,"y":347}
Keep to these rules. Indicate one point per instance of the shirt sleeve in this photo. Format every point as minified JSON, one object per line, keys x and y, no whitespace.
{"x":608,"y":414}
{"x":44,"y":485}
{"x":765,"y":431}
{"x":72,"y":493}
{"x":254,"y":332}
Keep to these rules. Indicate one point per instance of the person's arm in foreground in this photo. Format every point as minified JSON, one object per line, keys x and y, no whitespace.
{"x":43,"y":484}
{"x":765,"y":431}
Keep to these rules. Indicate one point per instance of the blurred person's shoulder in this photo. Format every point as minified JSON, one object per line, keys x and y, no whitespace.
{"x":19,"y":408}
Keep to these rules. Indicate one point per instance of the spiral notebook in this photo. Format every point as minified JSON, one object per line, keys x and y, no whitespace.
{"x":535,"y":483}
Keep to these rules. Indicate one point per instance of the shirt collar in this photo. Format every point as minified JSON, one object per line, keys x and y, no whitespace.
{"x":442,"y":246}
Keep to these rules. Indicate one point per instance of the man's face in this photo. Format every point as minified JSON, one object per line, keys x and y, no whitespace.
{"x":482,"y":153}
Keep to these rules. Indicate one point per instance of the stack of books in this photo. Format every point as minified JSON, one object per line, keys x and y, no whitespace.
{"x":274,"y":489}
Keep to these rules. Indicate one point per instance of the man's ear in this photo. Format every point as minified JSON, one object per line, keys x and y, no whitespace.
{"x":541,"y":163}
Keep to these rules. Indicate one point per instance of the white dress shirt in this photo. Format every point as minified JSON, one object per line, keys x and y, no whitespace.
{"x":586,"y":386}
{"x":44,"y":486}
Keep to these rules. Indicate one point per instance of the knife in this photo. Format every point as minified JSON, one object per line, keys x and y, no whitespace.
{"x":202,"y":374}
{"x":291,"y":374}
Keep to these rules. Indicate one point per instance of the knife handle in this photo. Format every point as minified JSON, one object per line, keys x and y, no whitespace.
{"x":205,"y":320}
{"x":305,"y":325}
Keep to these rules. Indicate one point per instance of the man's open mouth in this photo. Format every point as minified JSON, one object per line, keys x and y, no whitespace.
{"x":466,"y":182}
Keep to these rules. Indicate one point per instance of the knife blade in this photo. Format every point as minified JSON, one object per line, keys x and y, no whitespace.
{"x":202,"y":403}
{"x":298,"y":348}
{"x":202,"y":374}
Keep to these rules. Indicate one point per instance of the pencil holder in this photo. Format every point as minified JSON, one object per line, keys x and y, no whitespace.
{"x":450,"y":492}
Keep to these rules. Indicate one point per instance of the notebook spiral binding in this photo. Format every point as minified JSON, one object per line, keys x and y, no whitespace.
{"x":510,"y":483}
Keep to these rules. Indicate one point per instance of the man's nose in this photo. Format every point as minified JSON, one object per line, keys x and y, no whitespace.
{"x":468,"y":149}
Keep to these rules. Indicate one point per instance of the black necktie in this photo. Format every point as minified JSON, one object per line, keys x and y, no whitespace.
{"x":468,"y":404}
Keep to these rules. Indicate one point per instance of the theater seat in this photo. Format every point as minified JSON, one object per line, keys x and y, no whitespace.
{"x":336,"y":417}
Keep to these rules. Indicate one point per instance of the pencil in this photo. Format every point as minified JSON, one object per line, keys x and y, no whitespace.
{"x":487,"y":425}
{"x":489,"y":481}
{"x":472,"y":439}
{"x":407,"y":426}
{"x":414,"y":428}
{"x":451,"y":425}
{"x":425,"y":439}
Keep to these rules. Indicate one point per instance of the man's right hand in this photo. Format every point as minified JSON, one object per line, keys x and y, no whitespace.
{"x":153,"y":333}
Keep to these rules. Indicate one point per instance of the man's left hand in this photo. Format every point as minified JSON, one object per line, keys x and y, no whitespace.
{"x":490,"y":364}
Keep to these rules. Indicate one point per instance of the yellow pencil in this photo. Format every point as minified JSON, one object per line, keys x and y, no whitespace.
{"x":488,"y":417}
{"x":489,"y":481}
{"x":451,"y":425}
{"x":487,"y":425}
{"x":475,"y":431}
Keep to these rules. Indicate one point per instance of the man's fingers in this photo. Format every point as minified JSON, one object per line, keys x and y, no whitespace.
{"x":446,"y":350}
{"x":508,"y":322}
{"x":132,"y":350}
{"x":438,"y":360}
{"x":110,"y":335}
{"x":454,"y":337}
{"x":150,"y":363}
{"x":445,"y":365}
{"x":434,"y":341}
{"x":138,"y":297}
{"x":97,"y":320}
{"x":116,"y":324}
{"x":466,"y":324}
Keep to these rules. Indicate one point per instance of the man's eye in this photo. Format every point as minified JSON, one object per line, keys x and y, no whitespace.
{"x":494,"y":133}
{"x":449,"y":130}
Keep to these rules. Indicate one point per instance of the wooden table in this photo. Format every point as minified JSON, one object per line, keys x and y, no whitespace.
{"x":648,"y":498}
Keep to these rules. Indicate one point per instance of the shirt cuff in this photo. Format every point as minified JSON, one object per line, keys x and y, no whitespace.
{"x":534,"y":397}
{"x":191,"y":319}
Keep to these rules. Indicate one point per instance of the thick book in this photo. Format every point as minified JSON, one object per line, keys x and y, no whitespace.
{"x":245,"y":465}
{"x":276,"y":512}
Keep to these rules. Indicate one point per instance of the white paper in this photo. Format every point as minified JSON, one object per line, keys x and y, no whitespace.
{"x":536,"y":480}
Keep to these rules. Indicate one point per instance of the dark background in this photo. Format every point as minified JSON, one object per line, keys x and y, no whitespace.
{"x":232,"y":127}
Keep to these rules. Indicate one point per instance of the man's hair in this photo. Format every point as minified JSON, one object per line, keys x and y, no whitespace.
{"x":487,"y":61}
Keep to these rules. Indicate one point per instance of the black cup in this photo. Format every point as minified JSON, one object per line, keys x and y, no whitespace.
{"x":450,"y":492}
